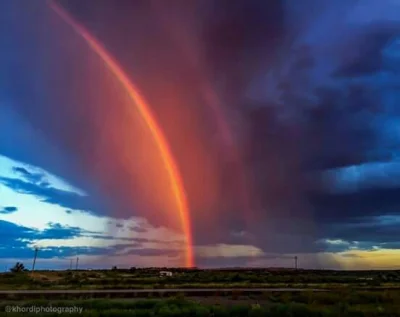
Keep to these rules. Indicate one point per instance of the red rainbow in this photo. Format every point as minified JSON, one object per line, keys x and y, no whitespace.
{"x":145,"y":111}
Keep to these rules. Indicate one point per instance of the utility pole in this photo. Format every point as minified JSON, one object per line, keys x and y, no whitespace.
{"x":295,"y":262}
{"x":77,"y":261}
{"x":34,"y":258}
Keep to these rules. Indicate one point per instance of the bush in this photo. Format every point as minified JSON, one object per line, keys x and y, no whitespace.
{"x":18,"y":268}
{"x":239,"y":310}
{"x":256,"y":311}
{"x":219,"y":311}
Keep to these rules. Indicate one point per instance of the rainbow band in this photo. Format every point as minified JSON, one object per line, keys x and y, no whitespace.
{"x":145,"y":112}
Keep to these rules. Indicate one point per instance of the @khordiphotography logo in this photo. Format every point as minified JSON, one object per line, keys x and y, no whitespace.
{"x":44,"y":309}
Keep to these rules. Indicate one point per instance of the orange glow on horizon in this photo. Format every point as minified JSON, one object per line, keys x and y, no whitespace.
{"x":144,"y":110}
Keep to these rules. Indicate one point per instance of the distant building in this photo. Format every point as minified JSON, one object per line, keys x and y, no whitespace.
{"x":165,"y":273}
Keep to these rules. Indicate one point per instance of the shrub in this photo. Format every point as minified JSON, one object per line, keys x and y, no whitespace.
{"x":18,"y":268}
{"x":219,"y":311}
{"x":256,"y":311}
{"x":239,"y":310}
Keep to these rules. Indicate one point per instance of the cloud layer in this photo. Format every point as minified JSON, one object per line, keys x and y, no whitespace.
{"x":307,"y":123}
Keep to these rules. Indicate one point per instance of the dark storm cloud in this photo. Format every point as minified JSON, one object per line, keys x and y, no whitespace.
{"x":96,"y":143}
{"x":16,"y":240}
{"x":51,"y":195}
{"x":30,"y":177}
{"x":371,"y":60}
{"x":238,"y":36}
{"x":57,"y":231}
{"x":376,"y":234}
{"x":326,"y":131}
{"x":369,"y":202}
{"x":8,"y":210}
{"x":267,"y":260}
{"x":315,"y":114}
{"x":372,"y":230}
{"x":390,"y":245}
{"x":217,"y":262}
{"x":135,"y":242}
{"x":11,"y":233}
{"x":51,"y":252}
{"x":138,"y":229}
{"x":319,"y":123}
{"x":153,"y":252}
{"x":339,"y":245}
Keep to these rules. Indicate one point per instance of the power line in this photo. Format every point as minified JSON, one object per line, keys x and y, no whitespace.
{"x":77,"y":262}
{"x":34,"y":258}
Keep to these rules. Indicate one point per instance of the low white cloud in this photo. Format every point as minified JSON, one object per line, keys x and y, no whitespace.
{"x":227,"y":251}
{"x":7,"y":169}
{"x":97,"y":231}
{"x":357,"y":177}
{"x":336,"y":242}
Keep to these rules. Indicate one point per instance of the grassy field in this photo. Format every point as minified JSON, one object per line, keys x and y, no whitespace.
{"x":357,"y":293}
{"x":361,"y":303}
{"x":150,"y":279}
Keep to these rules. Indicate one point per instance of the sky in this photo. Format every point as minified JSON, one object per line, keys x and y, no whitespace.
{"x":278,"y":133}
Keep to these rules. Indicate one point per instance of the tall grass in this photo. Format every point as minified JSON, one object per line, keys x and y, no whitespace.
{"x":349,"y":304}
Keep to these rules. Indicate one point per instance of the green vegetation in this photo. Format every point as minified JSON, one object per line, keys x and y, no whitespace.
{"x":357,"y":293}
{"x":307,"y":304}
{"x":150,"y":279}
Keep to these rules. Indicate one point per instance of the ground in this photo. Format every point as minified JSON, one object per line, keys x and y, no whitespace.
{"x":348,"y":293}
